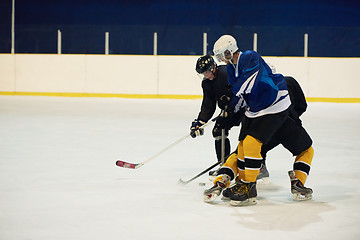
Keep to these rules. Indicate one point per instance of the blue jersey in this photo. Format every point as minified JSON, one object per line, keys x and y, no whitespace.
{"x":255,"y":87}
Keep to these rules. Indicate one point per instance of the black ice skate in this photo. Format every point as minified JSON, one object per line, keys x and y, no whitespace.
{"x":263,"y":177}
{"x":212,"y":193}
{"x":245,"y":195}
{"x":299,"y":192}
{"x":231,"y":190}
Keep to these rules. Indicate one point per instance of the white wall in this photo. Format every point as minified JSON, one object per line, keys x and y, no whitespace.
{"x":164,"y":75}
{"x":322,"y":77}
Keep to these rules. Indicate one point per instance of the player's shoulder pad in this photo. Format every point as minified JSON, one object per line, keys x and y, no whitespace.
{"x":249,"y":60}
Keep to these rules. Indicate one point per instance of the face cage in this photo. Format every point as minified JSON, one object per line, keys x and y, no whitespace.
{"x":207,"y":73}
{"x":226,"y":56}
{"x":220,"y":57}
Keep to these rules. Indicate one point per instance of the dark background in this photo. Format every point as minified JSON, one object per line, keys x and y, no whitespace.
{"x":333,"y":26}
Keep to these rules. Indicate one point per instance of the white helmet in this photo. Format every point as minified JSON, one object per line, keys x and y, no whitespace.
{"x":225,"y":47}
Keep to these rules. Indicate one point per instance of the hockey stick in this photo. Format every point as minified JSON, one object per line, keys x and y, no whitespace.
{"x":206,"y":170}
{"x":124,"y":164}
{"x":223,"y":140}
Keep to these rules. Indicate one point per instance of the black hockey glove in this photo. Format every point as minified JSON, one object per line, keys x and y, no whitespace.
{"x":225,"y":121}
{"x":196,"y":128}
{"x":224,"y":101}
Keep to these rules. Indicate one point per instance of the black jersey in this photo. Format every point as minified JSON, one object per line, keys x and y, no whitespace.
{"x":212,"y":91}
{"x":297,"y":97}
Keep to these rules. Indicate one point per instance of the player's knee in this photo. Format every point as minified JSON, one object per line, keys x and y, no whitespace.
{"x":217,"y":138}
{"x":231,"y":160}
{"x":217,"y":133}
{"x":252,"y":147}
{"x":306,"y":156}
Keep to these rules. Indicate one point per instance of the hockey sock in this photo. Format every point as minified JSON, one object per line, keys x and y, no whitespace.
{"x":252,"y":156}
{"x":229,"y":167}
{"x":302,"y":164}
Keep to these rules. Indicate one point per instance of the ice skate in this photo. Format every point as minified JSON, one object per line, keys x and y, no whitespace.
{"x":299,"y":192}
{"x":230,"y":191}
{"x":263,"y":177}
{"x":245,"y":195}
{"x":212,"y":193}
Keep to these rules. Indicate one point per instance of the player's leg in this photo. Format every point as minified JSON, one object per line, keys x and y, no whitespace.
{"x":227,"y":172}
{"x":299,"y":143}
{"x":264,"y":175}
{"x":217,"y":134}
{"x":255,"y":132}
{"x":240,"y":166}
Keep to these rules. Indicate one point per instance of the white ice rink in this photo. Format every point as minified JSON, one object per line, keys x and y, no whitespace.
{"x":58,"y":178}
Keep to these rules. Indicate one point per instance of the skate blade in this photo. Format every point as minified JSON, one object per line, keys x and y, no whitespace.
{"x":299,"y":197}
{"x":248,"y":202}
{"x":225,"y":198}
{"x":263,"y":181}
{"x":210,"y":197}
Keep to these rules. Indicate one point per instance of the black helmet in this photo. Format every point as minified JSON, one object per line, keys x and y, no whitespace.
{"x":205,"y":63}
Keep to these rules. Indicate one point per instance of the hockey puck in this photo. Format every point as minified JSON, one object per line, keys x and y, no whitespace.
{"x":202,"y":184}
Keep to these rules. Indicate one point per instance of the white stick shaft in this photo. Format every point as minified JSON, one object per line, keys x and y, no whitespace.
{"x":171,"y":145}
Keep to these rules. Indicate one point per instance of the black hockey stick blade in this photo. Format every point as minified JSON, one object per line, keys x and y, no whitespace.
{"x":182,"y":182}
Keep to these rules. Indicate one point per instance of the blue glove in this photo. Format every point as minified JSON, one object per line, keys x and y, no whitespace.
{"x":196,"y":128}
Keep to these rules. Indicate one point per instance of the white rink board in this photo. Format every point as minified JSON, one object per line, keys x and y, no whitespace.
{"x":163,"y":75}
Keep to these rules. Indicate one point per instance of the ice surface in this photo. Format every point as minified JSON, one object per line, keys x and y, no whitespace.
{"x":59,"y":180}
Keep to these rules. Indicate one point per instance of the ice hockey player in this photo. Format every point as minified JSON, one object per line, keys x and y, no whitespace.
{"x":215,"y":86}
{"x":268,"y":121}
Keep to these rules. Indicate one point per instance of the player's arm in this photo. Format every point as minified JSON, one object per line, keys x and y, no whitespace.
{"x":208,"y":107}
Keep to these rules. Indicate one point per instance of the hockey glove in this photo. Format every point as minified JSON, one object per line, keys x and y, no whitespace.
{"x":196,"y":128}
{"x":225,"y":121}
{"x":224,"y":102}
